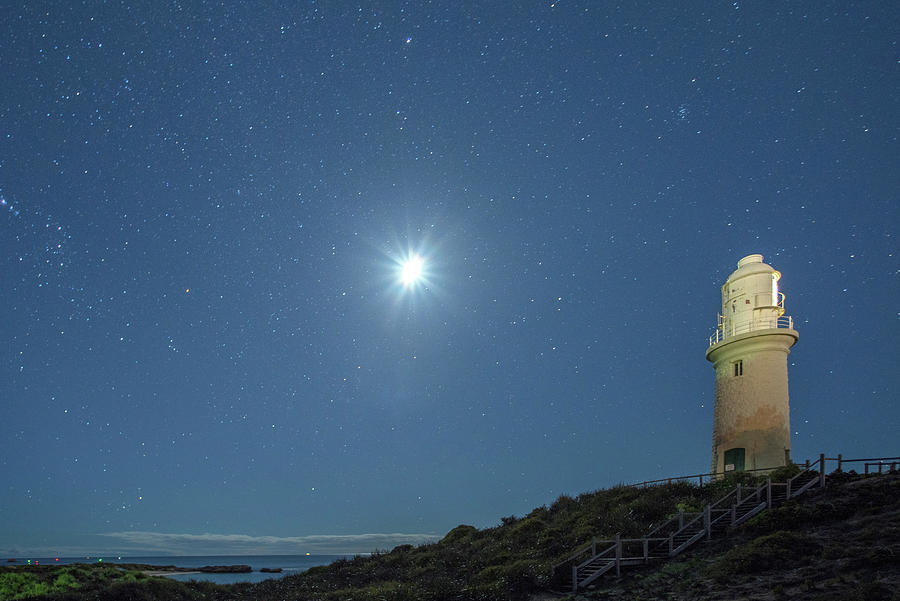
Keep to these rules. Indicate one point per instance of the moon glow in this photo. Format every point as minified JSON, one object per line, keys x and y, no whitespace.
{"x":411,"y":271}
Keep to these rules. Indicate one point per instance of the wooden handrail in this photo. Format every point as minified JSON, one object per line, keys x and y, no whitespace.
{"x":839,"y":458}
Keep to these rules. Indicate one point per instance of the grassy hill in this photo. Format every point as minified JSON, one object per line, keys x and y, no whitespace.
{"x":840,"y":543}
{"x":837,"y":544}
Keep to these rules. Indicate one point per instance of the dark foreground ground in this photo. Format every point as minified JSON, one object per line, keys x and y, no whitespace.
{"x":839,"y":544}
{"x":842,"y":543}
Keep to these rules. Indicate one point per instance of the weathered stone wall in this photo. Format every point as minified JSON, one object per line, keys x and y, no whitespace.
{"x":752,"y":409}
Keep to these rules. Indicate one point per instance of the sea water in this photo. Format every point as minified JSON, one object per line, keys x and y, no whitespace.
{"x":289,"y":564}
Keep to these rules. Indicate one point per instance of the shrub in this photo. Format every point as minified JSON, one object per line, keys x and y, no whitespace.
{"x":383,"y":591}
{"x":780,"y":549}
{"x":461,"y":532}
{"x":517,"y":579}
{"x":19,"y":585}
{"x":153,"y":589}
{"x":564,"y":503}
{"x":795,"y":515}
{"x":689,"y":506}
{"x":785,"y":472}
{"x":65,"y":581}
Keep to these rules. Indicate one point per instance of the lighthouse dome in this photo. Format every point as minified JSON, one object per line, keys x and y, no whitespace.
{"x":752,"y":265}
{"x":750,"y":297}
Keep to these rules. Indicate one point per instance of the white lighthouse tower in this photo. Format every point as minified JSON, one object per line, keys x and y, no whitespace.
{"x":749,"y":350}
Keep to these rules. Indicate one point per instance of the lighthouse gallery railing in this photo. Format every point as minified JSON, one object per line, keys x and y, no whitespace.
{"x":785,"y":322}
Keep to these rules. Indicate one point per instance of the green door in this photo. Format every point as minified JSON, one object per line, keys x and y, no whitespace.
{"x":734,"y":460}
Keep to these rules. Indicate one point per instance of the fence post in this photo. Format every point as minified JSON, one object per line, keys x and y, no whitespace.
{"x":738,"y":494}
{"x":840,"y":464}
{"x":866,"y":468}
{"x":768,"y":493}
{"x":646,"y":549}
{"x":680,"y":519}
{"x":593,"y":546}
{"x":618,"y":555}
{"x":574,"y":578}
{"x":807,"y":465}
{"x":701,"y":480}
{"x":822,"y":469}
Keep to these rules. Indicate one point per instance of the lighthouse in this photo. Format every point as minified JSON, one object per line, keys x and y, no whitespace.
{"x":749,"y":350}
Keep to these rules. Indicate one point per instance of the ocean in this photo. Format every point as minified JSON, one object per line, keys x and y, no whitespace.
{"x":289,"y":564}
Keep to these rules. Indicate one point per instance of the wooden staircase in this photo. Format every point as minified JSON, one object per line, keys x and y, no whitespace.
{"x":679,"y":533}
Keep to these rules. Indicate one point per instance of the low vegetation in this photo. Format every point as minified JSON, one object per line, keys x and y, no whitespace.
{"x":90,"y":581}
{"x":514,"y":560}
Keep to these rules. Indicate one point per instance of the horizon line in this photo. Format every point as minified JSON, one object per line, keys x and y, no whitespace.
{"x":138,"y":543}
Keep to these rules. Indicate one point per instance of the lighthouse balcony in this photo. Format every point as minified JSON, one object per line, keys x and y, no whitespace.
{"x":730,"y":330}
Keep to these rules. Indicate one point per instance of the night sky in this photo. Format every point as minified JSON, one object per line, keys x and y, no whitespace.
{"x":206,"y":344}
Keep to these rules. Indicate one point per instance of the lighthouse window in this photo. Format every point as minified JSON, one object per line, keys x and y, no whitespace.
{"x":739,"y":368}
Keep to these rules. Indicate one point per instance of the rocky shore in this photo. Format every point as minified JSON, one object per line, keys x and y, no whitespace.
{"x":167,"y":570}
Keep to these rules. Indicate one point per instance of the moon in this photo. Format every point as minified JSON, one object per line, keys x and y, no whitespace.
{"x":411,"y":271}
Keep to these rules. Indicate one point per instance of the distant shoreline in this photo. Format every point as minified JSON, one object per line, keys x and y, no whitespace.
{"x":211,"y":569}
{"x":218,"y":569}
{"x":170,"y":572}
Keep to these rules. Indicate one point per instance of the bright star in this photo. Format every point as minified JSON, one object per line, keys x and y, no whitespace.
{"x":411,"y":271}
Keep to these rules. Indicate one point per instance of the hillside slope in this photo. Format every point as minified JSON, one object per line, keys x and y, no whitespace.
{"x":839,"y":543}
{"x":510,"y":561}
